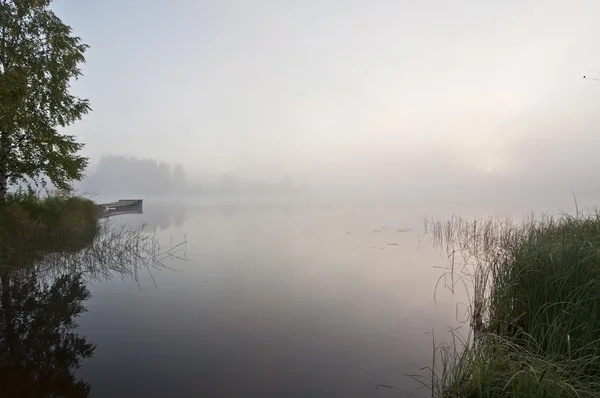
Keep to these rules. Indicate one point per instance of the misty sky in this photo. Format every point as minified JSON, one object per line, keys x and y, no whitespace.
{"x":340,"y":88}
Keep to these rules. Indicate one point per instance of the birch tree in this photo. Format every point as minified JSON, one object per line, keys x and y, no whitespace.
{"x":39,"y":58}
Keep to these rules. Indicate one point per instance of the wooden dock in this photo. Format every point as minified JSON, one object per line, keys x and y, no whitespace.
{"x":123,"y":206}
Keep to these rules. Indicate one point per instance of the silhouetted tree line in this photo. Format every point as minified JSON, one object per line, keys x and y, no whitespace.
{"x":120,"y":175}
{"x":130,"y":175}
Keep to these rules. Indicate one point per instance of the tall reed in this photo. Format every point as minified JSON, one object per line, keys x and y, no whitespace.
{"x":534,"y":302}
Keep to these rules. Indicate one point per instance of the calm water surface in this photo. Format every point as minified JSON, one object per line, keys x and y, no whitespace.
{"x":275,"y":300}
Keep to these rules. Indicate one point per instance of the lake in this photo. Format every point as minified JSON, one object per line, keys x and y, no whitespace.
{"x":280,"y":298}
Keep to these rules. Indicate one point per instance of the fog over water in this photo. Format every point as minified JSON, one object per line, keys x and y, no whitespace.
{"x":372,"y":94}
{"x":296,"y":147}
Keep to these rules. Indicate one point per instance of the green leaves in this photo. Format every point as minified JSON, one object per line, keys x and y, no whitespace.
{"x":39,"y":57}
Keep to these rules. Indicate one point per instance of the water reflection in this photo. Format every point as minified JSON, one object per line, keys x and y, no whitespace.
{"x":228,"y":211}
{"x":163,"y":216}
{"x":43,"y":294}
{"x":39,"y":348}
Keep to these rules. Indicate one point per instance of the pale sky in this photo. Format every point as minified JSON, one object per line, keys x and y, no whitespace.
{"x":332,"y":88}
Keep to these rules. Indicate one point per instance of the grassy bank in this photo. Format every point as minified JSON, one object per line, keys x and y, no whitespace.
{"x":32,"y":224}
{"x":535,"y":308}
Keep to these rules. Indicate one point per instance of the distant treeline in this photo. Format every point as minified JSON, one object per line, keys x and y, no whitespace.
{"x":120,"y":175}
{"x":130,"y":175}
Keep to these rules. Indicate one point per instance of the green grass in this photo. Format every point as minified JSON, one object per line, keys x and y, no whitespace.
{"x":535,"y":308}
{"x":31,"y":225}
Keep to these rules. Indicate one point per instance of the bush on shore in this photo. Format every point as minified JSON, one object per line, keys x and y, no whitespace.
{"x":30,"y":224}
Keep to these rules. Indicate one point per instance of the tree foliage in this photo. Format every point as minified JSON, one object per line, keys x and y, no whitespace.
{"x":39,"y":57}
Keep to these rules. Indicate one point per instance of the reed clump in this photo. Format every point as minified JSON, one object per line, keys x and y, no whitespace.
{"x":534,"y":305}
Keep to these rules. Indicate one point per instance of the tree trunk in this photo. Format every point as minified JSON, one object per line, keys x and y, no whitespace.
{"x":7,"y":313}
{"x":3,"y":168}
{"x":3,"y":184}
